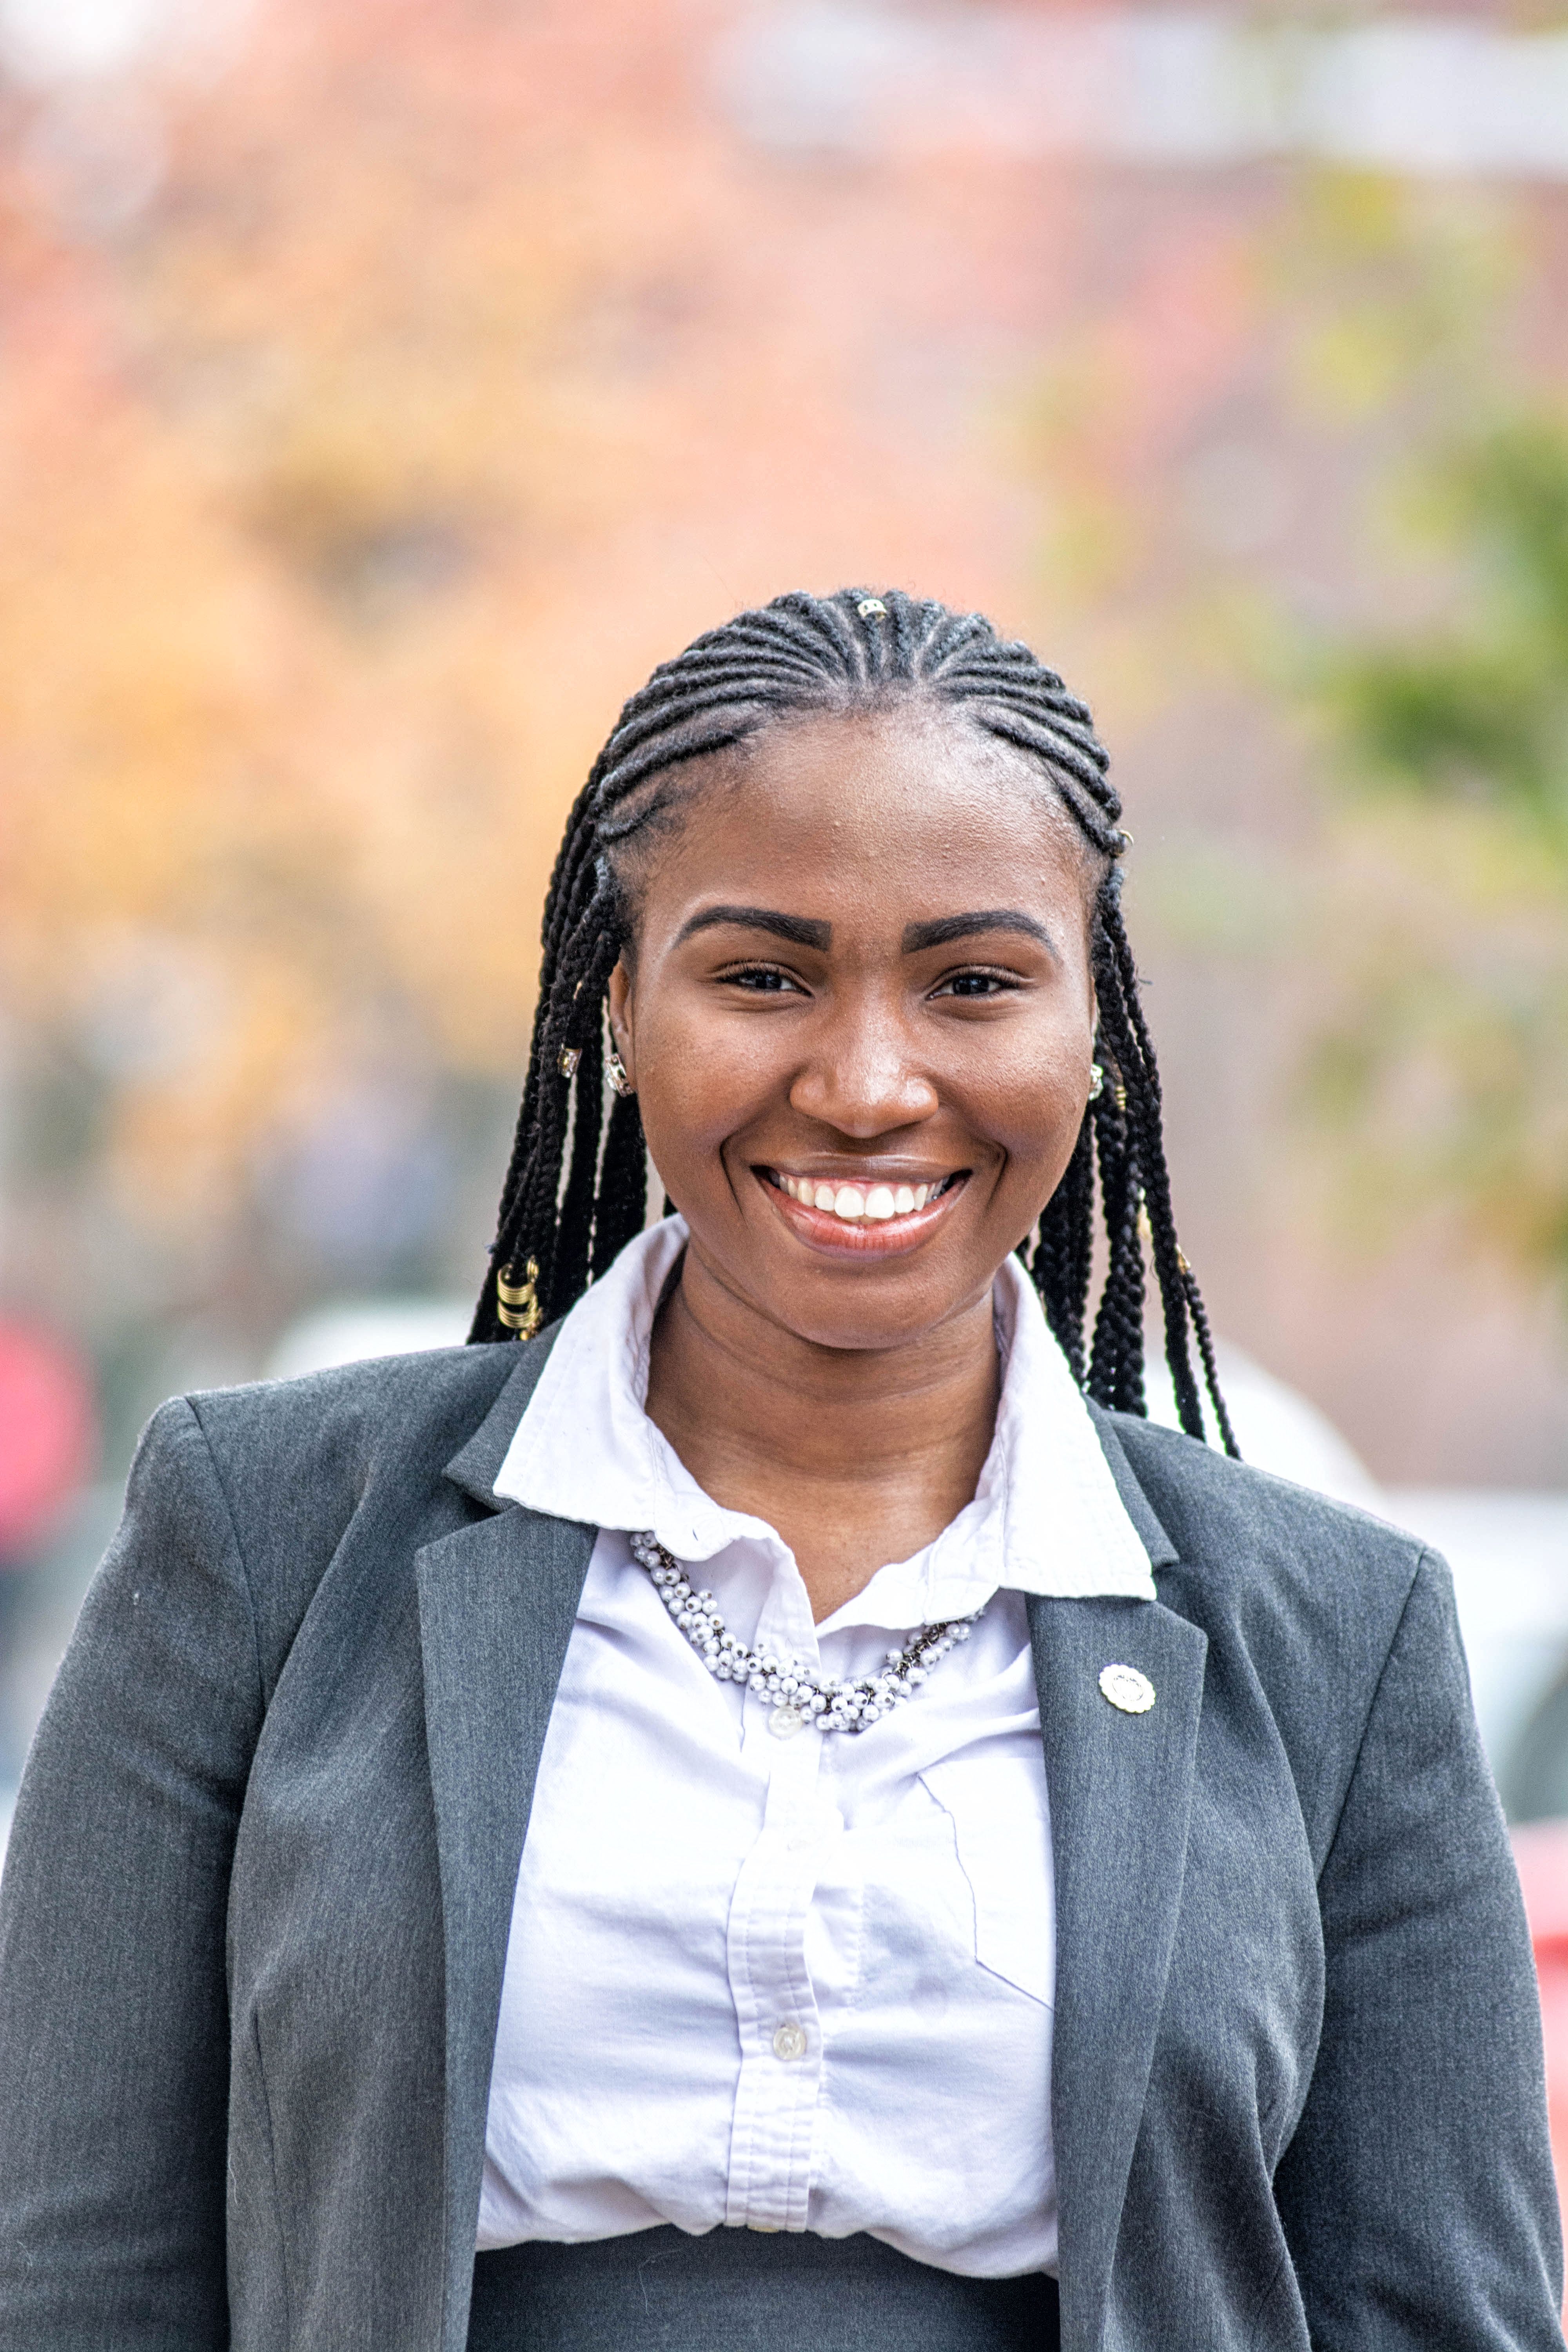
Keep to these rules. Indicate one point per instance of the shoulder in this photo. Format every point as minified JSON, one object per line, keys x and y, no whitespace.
{"x":293,"y":1461}
{"x":279,"y":1473}
{"x":1237,"y":1522}
{"x":1279,"y":1561}
{"x":427,"y":1398}
{"x":1303,"y":1600}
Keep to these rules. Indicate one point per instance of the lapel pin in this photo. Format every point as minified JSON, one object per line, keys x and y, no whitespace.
{"x":1125,"y":1688}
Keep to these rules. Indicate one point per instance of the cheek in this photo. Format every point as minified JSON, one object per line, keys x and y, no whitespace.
{"x":1025,"y":1098}
{"x":1026,"y":1078}
{"x":1035,"y":1120}
{"x":696,"y":1087}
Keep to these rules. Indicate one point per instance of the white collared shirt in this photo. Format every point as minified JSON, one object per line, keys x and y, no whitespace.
{"x":798,"y":1981}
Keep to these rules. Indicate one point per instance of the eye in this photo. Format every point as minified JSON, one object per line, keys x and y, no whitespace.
{"x":762,"y":980}
{"x":976,"y":983}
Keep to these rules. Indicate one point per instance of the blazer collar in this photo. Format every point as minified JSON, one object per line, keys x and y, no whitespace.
{"x":476,"y":1467}
{"x":1162,"y":1552}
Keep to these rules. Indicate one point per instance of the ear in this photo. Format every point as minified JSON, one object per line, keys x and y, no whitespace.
{"x":618,"y":1003}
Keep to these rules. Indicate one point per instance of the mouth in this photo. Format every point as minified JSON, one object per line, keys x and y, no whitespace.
{"x":874,"y":1215}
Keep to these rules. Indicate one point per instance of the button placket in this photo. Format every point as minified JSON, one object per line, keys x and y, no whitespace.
{"x":774,"y":2119}
{"x":785,"y":1627}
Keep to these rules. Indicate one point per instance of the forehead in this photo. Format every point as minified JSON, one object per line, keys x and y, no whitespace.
{"x":902,"y":811}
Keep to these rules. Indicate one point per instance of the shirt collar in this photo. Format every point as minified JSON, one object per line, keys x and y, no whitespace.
{"x":1045,"y":1517}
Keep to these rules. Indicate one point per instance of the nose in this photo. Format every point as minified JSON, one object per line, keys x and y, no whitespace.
{"x":862,"y":1076}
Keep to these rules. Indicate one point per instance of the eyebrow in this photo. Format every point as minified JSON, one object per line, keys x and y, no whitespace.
{"x":948,"y":928}
{"x":800,"y":930}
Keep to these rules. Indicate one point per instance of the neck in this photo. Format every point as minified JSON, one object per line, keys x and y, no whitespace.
{"x":856,"y":1456}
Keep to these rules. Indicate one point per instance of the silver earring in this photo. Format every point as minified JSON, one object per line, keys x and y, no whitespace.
{"x":617,"y":1070}
{"x":1096,"y":1082}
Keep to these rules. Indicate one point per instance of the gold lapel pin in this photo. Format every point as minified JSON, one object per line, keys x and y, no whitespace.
{"x":1125,"y":1688}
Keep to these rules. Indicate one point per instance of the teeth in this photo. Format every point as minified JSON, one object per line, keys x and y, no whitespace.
{"x":856,"y":1203}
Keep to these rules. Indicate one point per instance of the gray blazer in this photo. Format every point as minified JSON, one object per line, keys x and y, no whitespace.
{"x":255,"y":1915}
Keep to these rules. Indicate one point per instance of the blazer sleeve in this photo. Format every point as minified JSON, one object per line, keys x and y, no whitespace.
{"x":1417,"y":2194}
{"x":113,"y":2009}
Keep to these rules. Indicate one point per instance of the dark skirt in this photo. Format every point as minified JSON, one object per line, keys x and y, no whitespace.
{"x":747,"y":2291}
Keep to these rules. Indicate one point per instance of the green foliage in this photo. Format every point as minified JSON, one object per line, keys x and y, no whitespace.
{"x":1478,"y":710}
{"x":1446,"y":1057}
{"x":1450,"y":720}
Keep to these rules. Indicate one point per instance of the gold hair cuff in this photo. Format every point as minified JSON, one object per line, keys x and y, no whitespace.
{"x":517,"y":1303}
{"x":566,"y":1061}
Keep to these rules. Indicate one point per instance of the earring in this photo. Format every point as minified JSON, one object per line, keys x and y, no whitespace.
{"x":617,"y":1070}
{"x":1096,"y":1082}
{"x":518,"y":1307}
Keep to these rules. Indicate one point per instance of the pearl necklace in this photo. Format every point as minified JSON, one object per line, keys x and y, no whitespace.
{"x":801,"y":1695}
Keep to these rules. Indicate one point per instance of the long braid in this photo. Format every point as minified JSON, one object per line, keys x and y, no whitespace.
{"x":1134,"y":1041}
{"x":576,"y":1191}
{"x":1063,"y":1258}
{"x":623,"y":1188}
{"x":579,"y":1202}
{"x":1116,"y":1359}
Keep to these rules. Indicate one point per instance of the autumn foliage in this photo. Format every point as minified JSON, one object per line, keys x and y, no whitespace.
{"x":458,"y":363}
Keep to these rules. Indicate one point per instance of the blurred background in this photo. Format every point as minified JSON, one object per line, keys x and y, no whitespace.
{"x":386,"y":385}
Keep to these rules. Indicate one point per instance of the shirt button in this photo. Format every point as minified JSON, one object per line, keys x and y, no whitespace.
{"x":785,"y":1721}
{"x":789,"y":2042}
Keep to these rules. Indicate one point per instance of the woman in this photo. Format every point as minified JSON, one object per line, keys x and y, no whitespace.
{"x":982,"y":1853}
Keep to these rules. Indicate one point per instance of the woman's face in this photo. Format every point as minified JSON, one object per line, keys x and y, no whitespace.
{"x":861,"y":1018}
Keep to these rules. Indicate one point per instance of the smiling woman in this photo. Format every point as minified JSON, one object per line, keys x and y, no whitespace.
{"x":780,"y":1812}
{"x":891,"y":1023}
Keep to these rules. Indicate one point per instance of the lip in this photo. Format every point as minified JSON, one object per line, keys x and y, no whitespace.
{"x":820,"y":1230}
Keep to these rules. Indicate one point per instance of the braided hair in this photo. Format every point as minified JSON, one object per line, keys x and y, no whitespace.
{"x":575,"y":1193}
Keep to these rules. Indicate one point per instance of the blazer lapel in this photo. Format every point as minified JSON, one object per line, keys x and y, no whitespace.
{"x":498,"y":1599}
{"x":1121,"y":1792}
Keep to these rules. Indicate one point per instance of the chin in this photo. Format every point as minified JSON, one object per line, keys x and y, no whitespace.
{"x":864,"y":1318}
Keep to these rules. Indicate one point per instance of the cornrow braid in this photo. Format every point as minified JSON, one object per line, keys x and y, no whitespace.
{"x":576,"y":1187}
